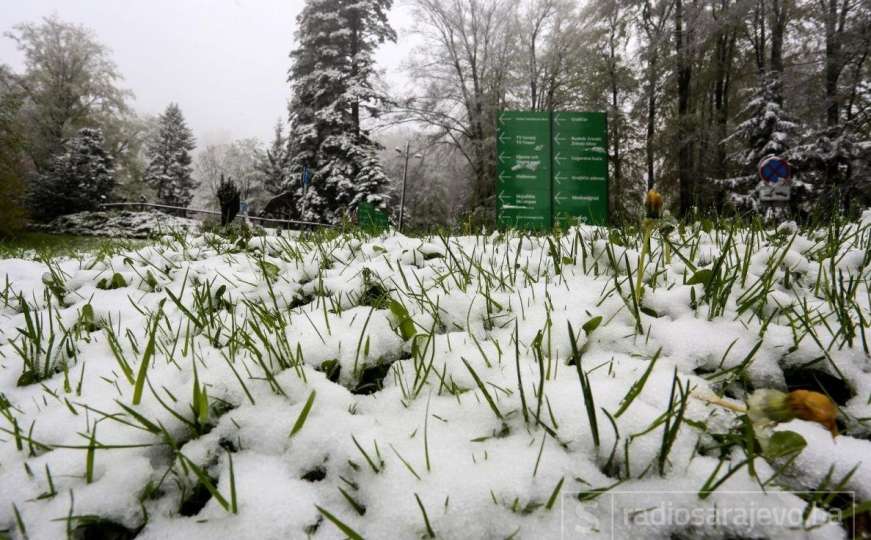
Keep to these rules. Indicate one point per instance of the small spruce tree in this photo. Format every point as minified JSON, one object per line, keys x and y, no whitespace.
{"x":273,"y":163}
{"x":371,"y":184}
{"x":169,"y":160}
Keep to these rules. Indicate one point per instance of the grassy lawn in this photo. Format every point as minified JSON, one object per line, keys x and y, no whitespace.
{"x":31,"y":245}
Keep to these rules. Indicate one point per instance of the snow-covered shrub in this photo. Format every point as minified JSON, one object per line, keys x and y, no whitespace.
{"x":78,"y":180}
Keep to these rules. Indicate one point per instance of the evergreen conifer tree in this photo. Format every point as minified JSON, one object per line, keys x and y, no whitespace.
{"x":371,"y":184}
{"x":333,"y":84}
{"x":78,"y":179}
{"x":766,"y":130}
{"x":273,"y":164}
{"x":169,"y":159}
{"x":833,"y":169}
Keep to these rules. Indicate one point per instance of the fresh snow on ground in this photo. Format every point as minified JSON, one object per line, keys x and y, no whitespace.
{"x":239,"y":335}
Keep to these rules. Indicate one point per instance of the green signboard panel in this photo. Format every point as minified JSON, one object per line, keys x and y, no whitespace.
{"x":371,"y":219}
{"x":524,"y":155}
{"x":580,"y":168}
{"x":553,"y":169}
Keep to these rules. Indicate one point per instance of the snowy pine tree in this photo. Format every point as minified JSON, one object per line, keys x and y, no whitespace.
{"x":824,"y":168}
{"x":78,"y":179}
{"x":273,"y":164}
{"x":371,"y":184}
{"x":832,"y":168}
{"x":333,"y":84}
{"x":767,"y":130}
{"x":169,"y":159}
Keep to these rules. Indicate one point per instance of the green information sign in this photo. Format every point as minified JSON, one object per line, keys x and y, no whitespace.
{"x":371,"y":219}
{"x":524,"y":154}
{"x":553,"y":168}
{"x":580,"y":164}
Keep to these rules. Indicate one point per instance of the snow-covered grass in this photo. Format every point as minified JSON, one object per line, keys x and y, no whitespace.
{"x":38,"y":245}
{"x":493,"y":386}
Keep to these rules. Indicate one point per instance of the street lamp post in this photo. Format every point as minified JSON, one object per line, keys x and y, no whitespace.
{"x":407,"y":155}
{"x":404,"y":182}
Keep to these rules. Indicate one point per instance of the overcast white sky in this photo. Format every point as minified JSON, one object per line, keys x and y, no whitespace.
{"x":224,"y":61}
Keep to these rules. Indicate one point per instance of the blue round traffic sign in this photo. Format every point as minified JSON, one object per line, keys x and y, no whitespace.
{"x":774,"y":170}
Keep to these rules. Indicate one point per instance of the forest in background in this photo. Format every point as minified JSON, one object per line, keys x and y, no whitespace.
{"x":696,"y":91}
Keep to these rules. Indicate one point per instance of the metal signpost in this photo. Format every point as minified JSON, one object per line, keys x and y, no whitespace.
{"x":306,"y":178}
{"x":524,"y":153}
{"x":553,"y":169}
{"x":404,"y":183}
{"x":406,"y":155}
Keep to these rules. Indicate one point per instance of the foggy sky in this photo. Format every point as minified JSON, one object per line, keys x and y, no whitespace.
{"x":224,"y":62}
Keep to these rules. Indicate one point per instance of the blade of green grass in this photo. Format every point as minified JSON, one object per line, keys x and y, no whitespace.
{"x":637,"y":387}
{"x":429,"y":530}
{"x":303,"y":414}
{"x":484,"y":391}
{"x":348,"y":531}
{"x":146,"y":357}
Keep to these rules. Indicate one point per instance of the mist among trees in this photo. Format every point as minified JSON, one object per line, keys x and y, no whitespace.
{"x":696,"y":92}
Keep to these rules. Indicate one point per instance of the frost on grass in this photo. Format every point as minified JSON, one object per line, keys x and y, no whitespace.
{"x":489,"y":386}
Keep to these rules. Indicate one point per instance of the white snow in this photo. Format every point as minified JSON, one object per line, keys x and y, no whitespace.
{"x":260,"y":329}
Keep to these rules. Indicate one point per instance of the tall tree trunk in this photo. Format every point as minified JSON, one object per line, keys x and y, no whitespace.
{"x":684,"y":80}
{"x":778,"y":29}
{"x":724,"y":54}
{"x":653,"y":30}
{"x":533,"y":69}
{"x":616,"y":123}
{"x":651,"y":122}
{"x":857,"y":79}
{"x":759,"y":37}
{"x":835,"y":20}
{"x":616,"y":135}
